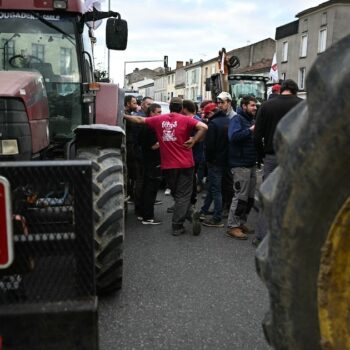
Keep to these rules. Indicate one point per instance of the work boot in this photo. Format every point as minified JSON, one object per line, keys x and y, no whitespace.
{"x":245,"y":229}
{"x":178,"y":231}
{"x":237,"y":233}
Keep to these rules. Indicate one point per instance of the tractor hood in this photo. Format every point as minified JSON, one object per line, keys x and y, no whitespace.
{"x":24,"y":112}
{"x":29,"y":87}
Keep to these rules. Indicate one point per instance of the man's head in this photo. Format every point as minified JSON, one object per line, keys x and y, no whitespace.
{"x":203,"y":104}
{"x":175,"y":105}
{"x":209,"y":110}
{"x":276,"y":89}
{"x":289,"y":87}
{"x":146,"y":102}
{"x":130,"y":103}
{"x":188,"y":107}
{"x":224,"y":101}
{"x":248,"y":105}
{"x":153,"y":109}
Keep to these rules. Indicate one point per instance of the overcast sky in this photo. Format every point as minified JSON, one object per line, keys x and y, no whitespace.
{"x":192,"y":29}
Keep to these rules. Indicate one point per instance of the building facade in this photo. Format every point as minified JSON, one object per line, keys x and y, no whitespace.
{"x":160,"y":88}
{"x":193,"y":81}
{"x":300,"y":42}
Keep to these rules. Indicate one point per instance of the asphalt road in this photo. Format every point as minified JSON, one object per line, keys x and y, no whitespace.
{"x":184,"y":293}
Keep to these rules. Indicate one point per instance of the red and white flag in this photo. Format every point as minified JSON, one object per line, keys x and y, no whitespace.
{"x":274,"y":70}
{"x":89,"y":5}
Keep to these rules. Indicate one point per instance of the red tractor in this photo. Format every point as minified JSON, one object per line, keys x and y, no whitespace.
{"x":62,"y":152}
{"x":52,"y":108}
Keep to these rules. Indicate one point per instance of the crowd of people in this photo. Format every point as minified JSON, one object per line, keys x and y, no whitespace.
{"x":217,"y":141}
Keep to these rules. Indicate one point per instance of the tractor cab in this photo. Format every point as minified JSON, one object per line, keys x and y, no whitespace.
{"x":58,"y":44}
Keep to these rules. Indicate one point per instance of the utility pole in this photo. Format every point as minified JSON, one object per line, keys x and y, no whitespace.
{"x":109,"y":51}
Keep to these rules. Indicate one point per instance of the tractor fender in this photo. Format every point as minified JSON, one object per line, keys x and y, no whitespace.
{"x":101,"y":135}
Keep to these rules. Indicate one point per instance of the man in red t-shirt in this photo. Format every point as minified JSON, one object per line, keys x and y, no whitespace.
{"x":175,"y":142}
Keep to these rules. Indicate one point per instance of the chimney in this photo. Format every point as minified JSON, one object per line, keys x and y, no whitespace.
{"x":179,"y":64}
{"x":191,"y":60}
{"x":187,"y":64}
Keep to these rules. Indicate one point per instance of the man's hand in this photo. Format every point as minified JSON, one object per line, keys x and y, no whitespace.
{"x":190,"y":143}
{"x":252,"y":128}
{"x":155,"y":146}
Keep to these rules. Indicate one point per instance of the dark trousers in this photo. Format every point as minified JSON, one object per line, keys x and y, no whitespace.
{"x":180,"y":182}
{"x":214,"y":194}
{"x":227,"y":188}
{"x":151,"y":182}
{"x":138,"y":186}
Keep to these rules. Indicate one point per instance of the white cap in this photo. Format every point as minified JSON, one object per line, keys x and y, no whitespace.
{"x":224,"y":96}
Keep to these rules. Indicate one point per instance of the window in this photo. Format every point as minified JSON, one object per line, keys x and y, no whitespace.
{"x":322,"y":40}
{"x":194,"y":76}
{"x":9,"y":49}
{"x":303,"y":45}
{"x":324,"y":19}
{"x":65,"y":61}
{"x":172,"y":78}
{"x":301,"y":80}
{"x":38,"y":51}
{"x":284,"y":76}
{"x":305,"y":25}
{"x":169,"y":80}
{"x":285,"y":51}
{"x":206,"y":72}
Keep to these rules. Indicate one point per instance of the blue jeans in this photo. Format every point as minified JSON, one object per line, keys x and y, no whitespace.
{"x":214,"y":191}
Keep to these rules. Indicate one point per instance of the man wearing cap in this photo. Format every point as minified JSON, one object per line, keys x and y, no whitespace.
{"x":173,"y":132}
{"x":224,"y":102}
{"x":269,"y":114}
{"x":216,"y":151}
{"x":276,"y":89}
{"x":242,"y":160}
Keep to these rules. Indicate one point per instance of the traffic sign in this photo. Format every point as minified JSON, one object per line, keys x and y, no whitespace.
{"x":6,"y":234}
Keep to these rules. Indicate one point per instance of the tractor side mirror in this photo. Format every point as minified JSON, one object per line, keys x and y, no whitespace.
{"x":116,"y":34}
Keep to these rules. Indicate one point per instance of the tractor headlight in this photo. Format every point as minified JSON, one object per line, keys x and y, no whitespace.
{"x":9,"y":147}
{"x":60,"y":4}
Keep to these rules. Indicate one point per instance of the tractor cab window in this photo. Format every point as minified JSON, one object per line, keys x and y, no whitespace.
{"x":240,"y":88}
{"x":46,"y":43}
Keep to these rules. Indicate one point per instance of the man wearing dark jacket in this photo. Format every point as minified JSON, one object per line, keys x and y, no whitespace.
{"x":269,"y":115}
{"x":242,"y":160}
{"x":151,"y":165}
{"x":216,"y":150}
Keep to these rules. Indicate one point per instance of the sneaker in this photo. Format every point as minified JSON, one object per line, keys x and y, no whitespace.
{"x":237,"y":233}
{"x":178,"y":231}
{"x":213,"y":223}
{"x":167,"y":192}
{"x":151,"y":222}
{"x":196,"y":224}
{"x":140,"y":218}
{"x":158,"y":202}
{"x":130,"y":201}
{"x":202,"y":215}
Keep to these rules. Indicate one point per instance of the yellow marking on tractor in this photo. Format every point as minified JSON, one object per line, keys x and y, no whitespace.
{"x":334,"y":284}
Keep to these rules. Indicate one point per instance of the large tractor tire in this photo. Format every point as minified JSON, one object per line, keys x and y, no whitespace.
{"x":305,"y":259}
{"x":108,"y":205}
